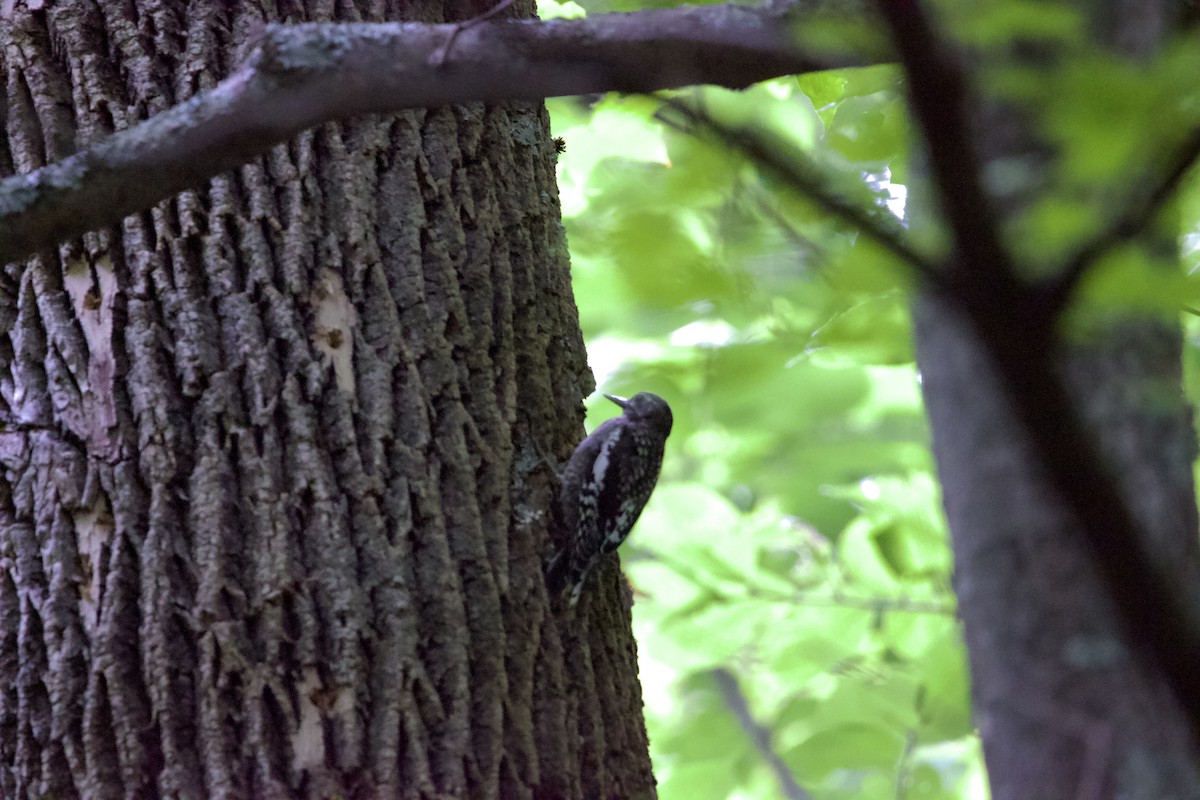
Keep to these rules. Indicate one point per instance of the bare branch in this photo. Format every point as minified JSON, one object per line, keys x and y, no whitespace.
{"x":1140,"y":209}
{"x":760,"y":735}
{"x":299,"y":76}
{"x":807,"y":179}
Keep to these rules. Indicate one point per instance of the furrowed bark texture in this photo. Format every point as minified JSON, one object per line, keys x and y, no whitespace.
{"x":1065,"y":708}
{"x":275,"y":501}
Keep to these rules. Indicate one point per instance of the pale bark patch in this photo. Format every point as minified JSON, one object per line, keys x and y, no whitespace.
{"x":334,"y":321}
{"x":93,"y":289}
{"x":93,"y":533}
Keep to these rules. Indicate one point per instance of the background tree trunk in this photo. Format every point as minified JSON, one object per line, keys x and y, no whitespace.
{"x":1064,"y":707}
{"x":274,"y":514}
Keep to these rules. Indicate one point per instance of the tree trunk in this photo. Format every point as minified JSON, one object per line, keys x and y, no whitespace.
{"x":1065,"y":707}
{"x":277,"y":495}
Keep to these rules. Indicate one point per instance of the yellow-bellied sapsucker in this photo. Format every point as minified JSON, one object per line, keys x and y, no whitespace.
{"x":605,"y":486}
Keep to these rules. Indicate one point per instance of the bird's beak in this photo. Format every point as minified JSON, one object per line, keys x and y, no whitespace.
{"x":621,"y":401}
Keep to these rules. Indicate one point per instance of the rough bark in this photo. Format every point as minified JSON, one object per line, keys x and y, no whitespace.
{"x":275,"y":500}
{"x":1065,"y":706}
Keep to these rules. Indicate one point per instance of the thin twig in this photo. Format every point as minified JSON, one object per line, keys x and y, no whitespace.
{"x":801,"y":245}
{"x":832,"y":599}
{"x":807,"y":179}
{"x":439,"y":56}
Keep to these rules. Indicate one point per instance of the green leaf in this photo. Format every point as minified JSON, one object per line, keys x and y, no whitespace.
{"x":869,"y":128}
{"x":860,"y":746}
{"x":946,"y":707}
{"x":1130,"y":279}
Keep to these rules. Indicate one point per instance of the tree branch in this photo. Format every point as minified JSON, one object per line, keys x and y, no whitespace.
{"x":760,"y":735}
{"x":302,"y":75}
{"x":807,"y":179}
{"x":1140,"y":210}
{"x":1015,"y":325}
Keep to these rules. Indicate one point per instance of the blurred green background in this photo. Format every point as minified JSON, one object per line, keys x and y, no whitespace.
{"x":794,"y":612}
{"x":795,"y":541}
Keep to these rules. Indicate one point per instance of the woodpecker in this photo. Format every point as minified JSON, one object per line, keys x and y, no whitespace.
{"x":605,"y":486}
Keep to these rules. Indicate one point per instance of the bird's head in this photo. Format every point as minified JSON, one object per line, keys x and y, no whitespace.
{"x":648,"y":408}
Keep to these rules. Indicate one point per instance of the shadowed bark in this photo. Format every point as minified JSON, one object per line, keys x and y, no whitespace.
{"x":275,"y":506}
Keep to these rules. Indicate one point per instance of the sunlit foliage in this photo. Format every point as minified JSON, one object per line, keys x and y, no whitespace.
{"x":795,"y":539}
